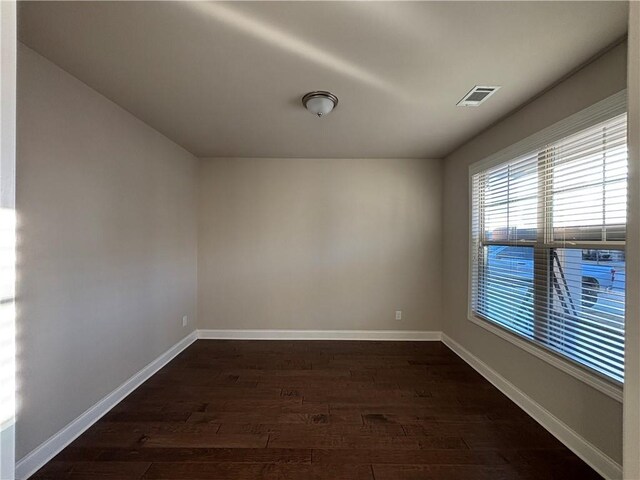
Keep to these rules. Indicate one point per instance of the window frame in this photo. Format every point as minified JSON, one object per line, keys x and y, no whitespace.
{"x":601,"y":111}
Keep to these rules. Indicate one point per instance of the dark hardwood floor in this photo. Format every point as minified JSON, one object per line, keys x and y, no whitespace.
{"x":240,"y":410}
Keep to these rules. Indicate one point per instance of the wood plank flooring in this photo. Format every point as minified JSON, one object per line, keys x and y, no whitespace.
{"x":244,"y":410}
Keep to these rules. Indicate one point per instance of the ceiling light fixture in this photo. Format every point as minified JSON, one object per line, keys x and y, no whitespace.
{"x":320,"y":103}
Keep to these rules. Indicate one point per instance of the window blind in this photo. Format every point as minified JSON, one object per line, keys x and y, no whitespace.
{"x":548,"y":237}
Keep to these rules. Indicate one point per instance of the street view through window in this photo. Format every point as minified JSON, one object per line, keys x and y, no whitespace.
{"x":548,"y":239}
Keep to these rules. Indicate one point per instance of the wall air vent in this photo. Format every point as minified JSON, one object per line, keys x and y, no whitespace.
{"x":476,"y":96}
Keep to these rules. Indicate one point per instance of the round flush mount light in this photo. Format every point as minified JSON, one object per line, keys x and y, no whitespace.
{"x":320,"y":103}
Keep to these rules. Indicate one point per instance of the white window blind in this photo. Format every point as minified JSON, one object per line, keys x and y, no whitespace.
{"x":548,"y":244}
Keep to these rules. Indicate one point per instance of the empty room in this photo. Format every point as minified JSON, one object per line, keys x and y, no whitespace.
{"x":338,"y":240}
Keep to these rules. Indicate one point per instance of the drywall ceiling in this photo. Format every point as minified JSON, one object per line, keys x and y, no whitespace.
{"x":225,"y":79}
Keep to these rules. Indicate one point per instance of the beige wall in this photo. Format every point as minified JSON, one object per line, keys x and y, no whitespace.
{"x":107,"y":250}
{"x":590,"y":413}
{"x":319,"y":244}
{"x":632,"y":350}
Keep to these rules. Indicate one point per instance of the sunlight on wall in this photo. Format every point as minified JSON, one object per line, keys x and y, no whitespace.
{"x":291,"y":43}
{"x":7,"y":236}
{"x":7,"y":316}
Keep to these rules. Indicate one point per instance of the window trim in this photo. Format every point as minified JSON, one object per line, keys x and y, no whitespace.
{"x":611,"y":388}
{"x":601,"y":111}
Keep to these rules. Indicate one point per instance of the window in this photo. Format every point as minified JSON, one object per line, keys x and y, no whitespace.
{"x":548,"y":237}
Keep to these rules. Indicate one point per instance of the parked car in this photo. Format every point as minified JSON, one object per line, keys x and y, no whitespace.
{"x":602,"y":272}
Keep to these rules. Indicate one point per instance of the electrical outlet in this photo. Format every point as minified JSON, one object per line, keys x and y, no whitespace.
{"x":185,"y":320}
{"x":398,"y":314}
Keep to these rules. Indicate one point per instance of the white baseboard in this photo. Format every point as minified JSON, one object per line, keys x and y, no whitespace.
{"x":34,"y":460}
{"x":389,"y":335}
{"x":598,"y":460}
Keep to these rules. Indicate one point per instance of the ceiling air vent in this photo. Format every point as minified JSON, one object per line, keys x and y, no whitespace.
{"x":476,"y":96}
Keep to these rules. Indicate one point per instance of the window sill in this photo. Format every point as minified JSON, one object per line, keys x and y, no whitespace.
{"x":608,"y":387}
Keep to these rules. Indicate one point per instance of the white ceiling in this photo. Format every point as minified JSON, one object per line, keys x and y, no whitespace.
{"x":226,"y":78}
